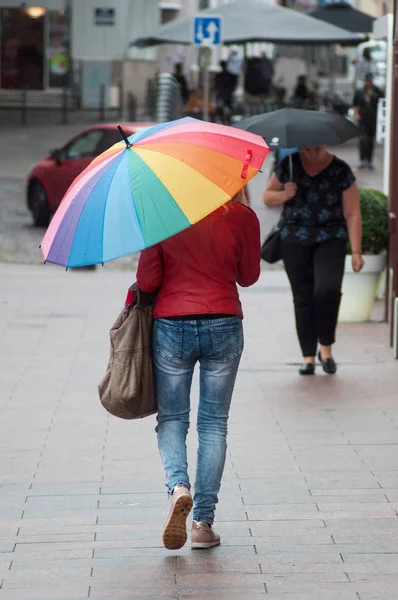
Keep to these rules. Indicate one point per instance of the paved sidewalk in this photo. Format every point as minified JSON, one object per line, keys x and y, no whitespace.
{"x":309,"y":501}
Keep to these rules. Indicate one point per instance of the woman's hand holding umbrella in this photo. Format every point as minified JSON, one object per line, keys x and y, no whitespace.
{"x":290,"y":190}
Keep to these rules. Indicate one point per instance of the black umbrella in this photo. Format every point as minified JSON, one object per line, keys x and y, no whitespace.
{"x":344,"y":15}
{"x":294,"y":128}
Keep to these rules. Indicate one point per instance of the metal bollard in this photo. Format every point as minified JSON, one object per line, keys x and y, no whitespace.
{"x":65,"y":106}
{"x":121,"y":99}
{"x":24,"y":106}
{"x":102,"y":102}
{"x":132,"y":107}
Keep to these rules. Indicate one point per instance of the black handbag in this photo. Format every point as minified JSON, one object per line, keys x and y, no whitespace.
{"x":271,"y":248}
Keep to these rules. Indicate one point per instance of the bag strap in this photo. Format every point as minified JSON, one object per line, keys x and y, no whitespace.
{"x":129,"y":298}
{"x":132,"y":295}
{"x":136,"y":296}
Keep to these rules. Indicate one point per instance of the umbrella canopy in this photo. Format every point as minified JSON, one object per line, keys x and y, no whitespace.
{"x":255,"y":21}
{"x":344,"y":15}
{"x":292,"y":127}
{"x":148,"y":188}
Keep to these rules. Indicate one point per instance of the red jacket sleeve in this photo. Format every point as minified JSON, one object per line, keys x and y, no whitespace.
{"x":250,"y":258}
{"x":150,"y":269}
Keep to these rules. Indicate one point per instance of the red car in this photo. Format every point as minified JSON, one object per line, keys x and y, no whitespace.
{"x":49,"y":180}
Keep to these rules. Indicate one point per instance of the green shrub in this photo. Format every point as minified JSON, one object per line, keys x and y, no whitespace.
{"x":375,"y":221}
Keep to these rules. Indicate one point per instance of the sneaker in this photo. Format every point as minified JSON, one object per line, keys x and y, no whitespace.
{"x":362,"y":165}
{"x":371,"y":166}
{"x":175,"y":530}
{"x":203,"y":536}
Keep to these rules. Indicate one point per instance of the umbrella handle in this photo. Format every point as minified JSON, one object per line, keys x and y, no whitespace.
{"x":245,"y":168}
{"x":124,"y":136}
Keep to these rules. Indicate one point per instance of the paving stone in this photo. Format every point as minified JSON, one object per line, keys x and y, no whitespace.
{"x":54,"y":538}
{"x":135,"y":576}
{"x":60,"y":502}
{"x":38,"y":594}
{"x":319,"y":594}
{"x":246,"y":550}
{"x":358,"y":510}
{"x":61,"y":588}
{"x":378,"y":561}
{"x":213,"y":565}
{"x":221,"y":595}
{"x":133,"y":500}
{"x":296,"y":584}
{"x":283,"y":512}
{"x":301,"y":536}
{"x":348,"y":496}
{"x":141,"y":592}
{"x":341,"y":480}
{"x":223,"y":582}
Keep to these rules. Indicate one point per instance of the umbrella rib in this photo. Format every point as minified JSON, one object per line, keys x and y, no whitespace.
{"x":103,"y":219}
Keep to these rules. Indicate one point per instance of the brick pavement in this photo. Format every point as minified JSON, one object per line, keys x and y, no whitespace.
{"x":310,"y":494}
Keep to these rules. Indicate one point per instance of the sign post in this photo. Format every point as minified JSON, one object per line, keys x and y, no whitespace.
{"x":207,"y":33}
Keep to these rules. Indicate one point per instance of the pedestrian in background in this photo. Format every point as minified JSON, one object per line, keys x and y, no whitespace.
{"x":321,"y":212}
{"x":365,"y":67}
{"x":179,"y":75}
{"x":301,"y":92}
{"x":198,"y":319}
{"x":234,"y":66}
{"x":224,"y":85}
{"x":366,"y":103}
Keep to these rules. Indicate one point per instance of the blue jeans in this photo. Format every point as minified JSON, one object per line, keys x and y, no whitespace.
{"x":217,"y":345}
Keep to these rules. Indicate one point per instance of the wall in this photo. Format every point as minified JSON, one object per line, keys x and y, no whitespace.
{"x":373,"y":7}
{"x":99,"y":42}
{"x":135,"y":76}
{"x":110,"y":43}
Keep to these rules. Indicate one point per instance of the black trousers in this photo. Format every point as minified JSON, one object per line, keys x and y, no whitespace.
{"x":367,"y":143}
{"x":315,"y":273}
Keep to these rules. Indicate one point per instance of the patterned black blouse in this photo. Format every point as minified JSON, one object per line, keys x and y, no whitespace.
{"x":315,"y":214}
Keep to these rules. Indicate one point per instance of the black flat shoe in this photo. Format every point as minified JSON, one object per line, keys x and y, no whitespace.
{"x":307,"y":369}
{"x":328,"y":364}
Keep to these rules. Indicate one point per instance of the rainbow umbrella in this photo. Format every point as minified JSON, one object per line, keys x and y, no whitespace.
{"x":149,"y":187}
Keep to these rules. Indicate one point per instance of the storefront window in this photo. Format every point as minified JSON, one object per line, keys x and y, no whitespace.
{"x":22,"y":49}
{"x":58,"y":51}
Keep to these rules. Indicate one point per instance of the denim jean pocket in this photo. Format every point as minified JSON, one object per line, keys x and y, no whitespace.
{"x":168,"y":340}
{"x":227,"y":341}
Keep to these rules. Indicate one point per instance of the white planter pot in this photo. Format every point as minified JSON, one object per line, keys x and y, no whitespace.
{"x":360,"y":289}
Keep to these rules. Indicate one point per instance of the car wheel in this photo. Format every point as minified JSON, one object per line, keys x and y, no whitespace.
{"x":39,"y":205}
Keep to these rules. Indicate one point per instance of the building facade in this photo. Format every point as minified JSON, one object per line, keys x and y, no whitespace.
{"x":50,"y":44}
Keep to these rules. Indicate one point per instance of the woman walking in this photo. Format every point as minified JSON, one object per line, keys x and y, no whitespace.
{"x":321,"y":211}
{"x":198,"y":318}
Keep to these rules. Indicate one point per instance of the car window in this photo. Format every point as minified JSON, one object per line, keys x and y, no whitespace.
{"x":85,"y":145}
{"x":111,"y":137}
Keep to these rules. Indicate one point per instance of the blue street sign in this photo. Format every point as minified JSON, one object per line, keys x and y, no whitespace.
{"x":207,"y":31}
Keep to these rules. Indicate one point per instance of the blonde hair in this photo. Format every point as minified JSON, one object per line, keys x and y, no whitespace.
{"x":240,"y":197}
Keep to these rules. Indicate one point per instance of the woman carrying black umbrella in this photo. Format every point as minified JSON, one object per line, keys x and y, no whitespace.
{"x":321,"y":212}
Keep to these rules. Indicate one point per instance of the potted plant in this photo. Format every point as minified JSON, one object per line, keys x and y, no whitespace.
{"x":360,"y":289}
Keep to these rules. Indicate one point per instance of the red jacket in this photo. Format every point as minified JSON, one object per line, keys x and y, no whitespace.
{"x":197,"y":270}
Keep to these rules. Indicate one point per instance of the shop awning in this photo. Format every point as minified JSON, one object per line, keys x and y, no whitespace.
{"x":344,"y":15}
{"x":255,"y":21}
